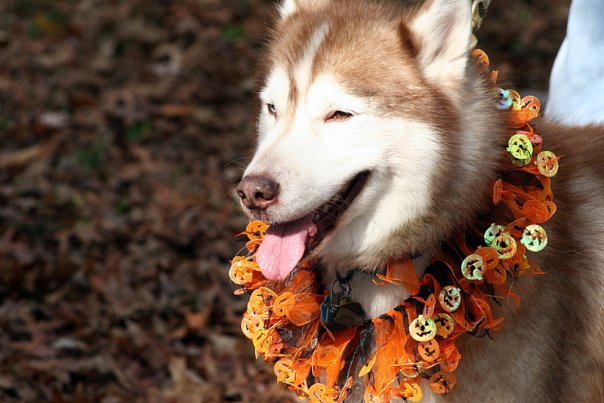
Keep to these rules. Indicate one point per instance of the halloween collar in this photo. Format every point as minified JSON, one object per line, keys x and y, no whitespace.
{"x":321,"y":342}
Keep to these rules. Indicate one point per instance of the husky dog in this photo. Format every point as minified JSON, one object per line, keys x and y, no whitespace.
{"x":378,"y":140}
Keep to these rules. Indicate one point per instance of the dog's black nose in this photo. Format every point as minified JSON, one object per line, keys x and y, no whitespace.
{"x":258,"y":192}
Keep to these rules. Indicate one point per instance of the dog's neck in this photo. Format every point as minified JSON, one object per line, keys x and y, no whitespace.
{"x":378,"y":299}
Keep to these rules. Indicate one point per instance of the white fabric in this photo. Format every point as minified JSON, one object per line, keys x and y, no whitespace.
{"x":576,"y":93}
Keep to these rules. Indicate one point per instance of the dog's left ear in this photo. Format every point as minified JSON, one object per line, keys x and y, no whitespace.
{"x":440,"y":31}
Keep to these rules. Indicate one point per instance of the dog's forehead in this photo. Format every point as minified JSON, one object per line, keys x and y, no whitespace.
{"x":368,"y":49}
{"x":362,"y":47}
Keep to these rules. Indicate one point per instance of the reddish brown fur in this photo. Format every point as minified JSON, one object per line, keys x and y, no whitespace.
{"x":554,"y":341}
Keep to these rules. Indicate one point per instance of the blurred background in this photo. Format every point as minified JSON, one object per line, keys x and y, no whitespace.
{"x":124,"y":126}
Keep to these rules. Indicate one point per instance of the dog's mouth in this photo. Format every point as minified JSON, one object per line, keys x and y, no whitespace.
{"x":285,"y":244}
{"x":326,"y":216}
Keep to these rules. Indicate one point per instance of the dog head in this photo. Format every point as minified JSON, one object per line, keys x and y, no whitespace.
{"x":368,"y":145}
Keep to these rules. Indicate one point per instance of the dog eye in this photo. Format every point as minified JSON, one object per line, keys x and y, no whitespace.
{"x":271,"y":109}
{"x":338,"y":116}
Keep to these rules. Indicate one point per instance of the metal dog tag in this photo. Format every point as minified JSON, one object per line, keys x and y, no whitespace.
{"x":338,"y":311}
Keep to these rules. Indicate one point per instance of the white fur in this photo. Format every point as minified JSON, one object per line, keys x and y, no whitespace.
{"x":380,"y":210}
{"x":379,"y":299}
{"x":443,"y":29}
{"x":303,"y":69}
{"x":289,"y":7}
{"x":275,"y":92}
{"x":576,"y":93}
{"x":313,"y":159}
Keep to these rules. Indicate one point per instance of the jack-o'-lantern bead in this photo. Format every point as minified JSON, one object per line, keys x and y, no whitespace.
{"x":532,"y":104}
{"x":547,"y":162}
{"x":410,"y":391}
{"x":320,"y":393}
{"x":505,"y":245}
{"x":251,"y":324}
{"x":473,"y":267}
{"x":450,"y":298}
{"x":422,"y":329}
{"x":516,"y":100}
{"x":521,"y":149}
{"x":442,"y":382}
{"x":284,"y":372}
{"x":481,"y":59}
{"x":256,"y":229}
{"x":261,"y":300}
{"x":493,"y":232}
{"x":242,"y":270}
{"x":365,"y":369}
{"x":267,"y":343}
{"x":534,"y":238}
{"x":504,"y":99}
{"x":281,"y":303}
{"x":445,"y":324}
{"x":429,"y":350}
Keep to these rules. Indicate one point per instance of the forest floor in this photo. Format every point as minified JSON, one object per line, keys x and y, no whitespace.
{"x":124,"y":126}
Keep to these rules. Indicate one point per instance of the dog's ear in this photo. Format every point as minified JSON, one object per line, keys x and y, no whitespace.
{"x":288,"y":7}
{"x":441,"y":31}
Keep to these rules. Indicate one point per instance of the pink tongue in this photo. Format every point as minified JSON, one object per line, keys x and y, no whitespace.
{"x":283,"y":246}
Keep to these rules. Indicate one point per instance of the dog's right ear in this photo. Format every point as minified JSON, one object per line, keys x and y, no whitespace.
{"x":289,"y":7}
{"x":441,"y":32}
